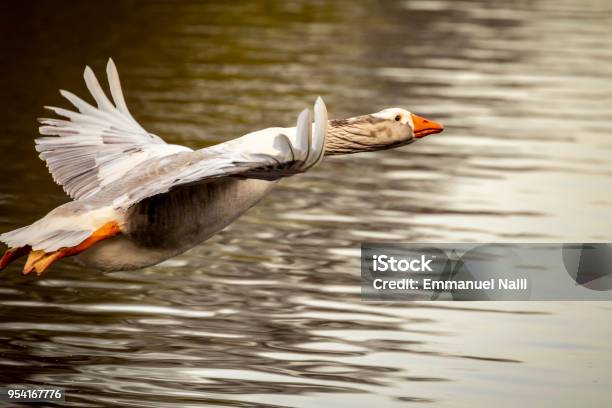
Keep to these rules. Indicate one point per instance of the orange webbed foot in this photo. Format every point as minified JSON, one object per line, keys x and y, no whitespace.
{"x":13,"y":253}
{"x":39,"y":261}
{"x":33,"y":257}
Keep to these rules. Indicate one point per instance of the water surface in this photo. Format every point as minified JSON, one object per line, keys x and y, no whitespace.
{"x":268,"y":311}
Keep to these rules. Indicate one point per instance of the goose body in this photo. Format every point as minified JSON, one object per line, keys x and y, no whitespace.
{"x":138,"y":200}
{"x":164,"y":226}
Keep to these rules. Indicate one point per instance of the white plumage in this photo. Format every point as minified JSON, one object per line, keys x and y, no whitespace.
{"x":107,"y":162}
{"x":96,"y":146}
{"x":138,"y":200}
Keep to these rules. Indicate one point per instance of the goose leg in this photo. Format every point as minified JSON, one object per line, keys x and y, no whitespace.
{"x":13,"y":253}
{"x":40,"y":262}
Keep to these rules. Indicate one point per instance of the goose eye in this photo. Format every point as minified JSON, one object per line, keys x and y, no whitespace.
{"x":398,"y":118}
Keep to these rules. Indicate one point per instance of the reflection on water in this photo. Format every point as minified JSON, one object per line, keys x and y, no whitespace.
{"x":268,"y":311}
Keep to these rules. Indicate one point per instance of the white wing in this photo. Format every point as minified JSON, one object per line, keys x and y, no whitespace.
{"x":96,"y":145}
{"x":267,"y":154}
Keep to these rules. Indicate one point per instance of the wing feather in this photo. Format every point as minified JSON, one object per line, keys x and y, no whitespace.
{"x":320,"y":133}
{"x":97,"y":145}
{"x":267,"y":155}
{"x":115,"y":87}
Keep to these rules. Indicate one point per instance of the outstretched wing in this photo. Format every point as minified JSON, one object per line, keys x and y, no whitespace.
{"x":269,"y":154}
{"x":95,"y":146}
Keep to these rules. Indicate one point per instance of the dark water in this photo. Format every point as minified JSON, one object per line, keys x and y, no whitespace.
{"x":268,"y":311}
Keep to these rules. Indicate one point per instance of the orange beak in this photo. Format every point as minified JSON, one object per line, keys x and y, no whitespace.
{"x":424,"y":127}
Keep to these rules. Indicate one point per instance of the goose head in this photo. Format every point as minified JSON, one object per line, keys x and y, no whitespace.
{"x":389,"y":128}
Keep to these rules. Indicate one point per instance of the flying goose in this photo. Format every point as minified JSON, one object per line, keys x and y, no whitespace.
{"x":138,"y":201}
